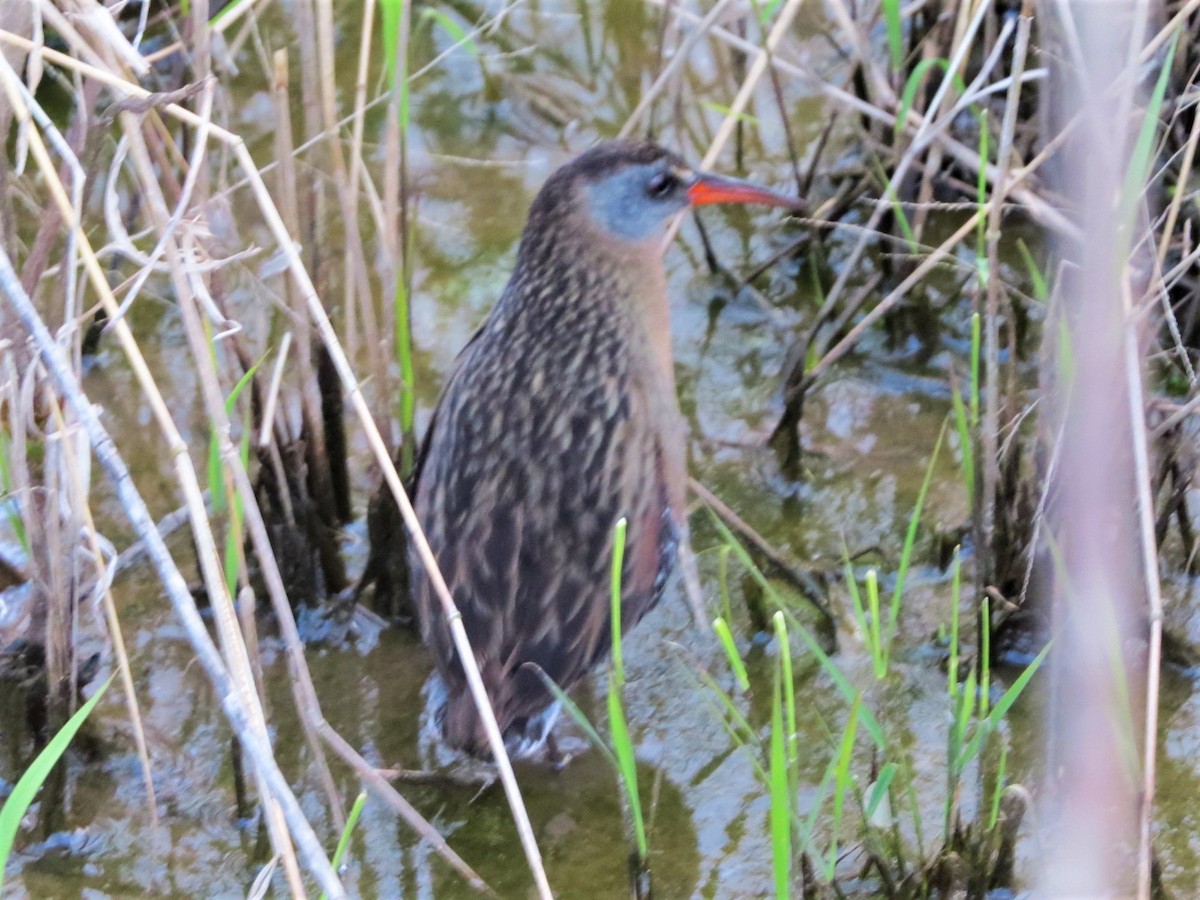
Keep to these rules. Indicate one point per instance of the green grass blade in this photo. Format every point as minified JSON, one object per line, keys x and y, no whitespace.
{"x":781,"y":808}
{"x":390,"y":10}
{"x":450,"y":25}
{"x":744,"y":117}
{"x":985,"y":655}
{"x":225,"y":13}
{"x":216,"y":480}
{"x":723,"y":581}
{"x":1041,"y":292}
{"x":914,"y":82}
{"x":623,"y":746}
{"x":618,"y":562}
{"x":879,"y":650}
{"x":828,"y":666}
{"x":1143,"y":150}
{"x":35,"y":776}
{"x":725,"y":636}
{"x":998,"y":790}
{"x":895,"y":32}
{"x":963,"y":429}
{"x":343,"y":843}
{"x":955,"y":595}
{"x":880,"y":789}
{"x":856,"y":602}
{"x":1004,"y":704}
{"x":842,"y":784}
{"x":581,"y":720}
{"x":976,"y":339}
{"x":789,"y":685}
{"x":11,"y":512}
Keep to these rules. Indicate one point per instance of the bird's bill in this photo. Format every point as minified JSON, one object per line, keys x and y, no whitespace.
{"x":708,"y":188}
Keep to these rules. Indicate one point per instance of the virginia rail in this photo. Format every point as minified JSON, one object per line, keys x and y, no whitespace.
{"x":559,"y":418}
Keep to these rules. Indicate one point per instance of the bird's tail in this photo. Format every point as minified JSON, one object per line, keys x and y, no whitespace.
{"x":463,"y":728}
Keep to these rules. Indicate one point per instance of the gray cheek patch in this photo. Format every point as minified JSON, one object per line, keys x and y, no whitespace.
{"x":619,"y":205}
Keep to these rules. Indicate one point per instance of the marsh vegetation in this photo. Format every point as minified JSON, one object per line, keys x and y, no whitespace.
{"x":240,"y":247}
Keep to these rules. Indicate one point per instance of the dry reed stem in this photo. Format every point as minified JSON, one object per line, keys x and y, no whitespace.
{"x":356,"y":275}
{"x":229,"y":631}
{"x":917,"y":144}
{"x":268,"y":415}
{"x":345,"y":374}
{"x":777,"y":559}
{"x":895,"y":296}
{"x":988,"y":463}
{"x":230,"y":695}
{"x":1185,"y":171}
{"x":356,"y":145}
{"x":104,"y":577}
{"x":242,"y":9}
{"x":239,"y":483}
{"x":862,"y":52}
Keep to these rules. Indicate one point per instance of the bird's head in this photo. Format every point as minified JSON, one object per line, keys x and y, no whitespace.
{"x":629,"y":190}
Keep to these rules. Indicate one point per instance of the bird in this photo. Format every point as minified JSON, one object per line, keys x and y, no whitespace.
{"x":559,"y":418}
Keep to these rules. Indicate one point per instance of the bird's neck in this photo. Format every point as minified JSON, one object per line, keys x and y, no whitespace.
{"x":579,"y":278}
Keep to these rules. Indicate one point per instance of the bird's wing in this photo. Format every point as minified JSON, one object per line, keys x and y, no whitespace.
{"x":423,"y":446}
{"x":519,"y":505}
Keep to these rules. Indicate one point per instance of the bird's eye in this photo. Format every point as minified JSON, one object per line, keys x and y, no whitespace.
{"x":661,"y":184}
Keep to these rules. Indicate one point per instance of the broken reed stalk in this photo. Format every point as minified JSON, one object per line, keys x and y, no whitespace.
{"x":104,"y":577}
{"x":988,"y":461}
{"x":356,"y":164}
{"x":346,"y":375}
{"x":239,"y":708}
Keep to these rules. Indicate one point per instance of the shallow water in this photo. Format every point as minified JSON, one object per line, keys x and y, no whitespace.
{"x":868,"y":430}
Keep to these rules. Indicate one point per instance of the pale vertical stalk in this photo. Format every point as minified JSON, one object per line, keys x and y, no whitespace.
{"x":1100,"y":581}
{"x":1148,"y":546}
{"x":356,"y":141}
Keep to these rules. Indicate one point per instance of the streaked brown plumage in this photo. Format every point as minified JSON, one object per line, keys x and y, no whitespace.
{"x":559,"y":418}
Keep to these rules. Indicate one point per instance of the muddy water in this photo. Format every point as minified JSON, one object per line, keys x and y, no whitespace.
{"x":869,"y":431}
